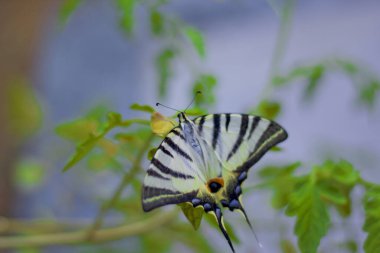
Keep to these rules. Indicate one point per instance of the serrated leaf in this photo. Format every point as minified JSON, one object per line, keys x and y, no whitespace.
{"x":161,"y":125}
{"x":142,"y":108}
{"x":371,"y":202}
{"x":164,"y":62}
{"x":312,"y":217}
{"x":193,"y":214}
{"x":127,"y":20}
{"x":196,"y":39}
{"x":67,"y":9}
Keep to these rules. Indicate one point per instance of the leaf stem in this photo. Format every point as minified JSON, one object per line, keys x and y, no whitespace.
{"x":128,"y":177}
{"x":76,"y":237}
{"x":280,"y":44}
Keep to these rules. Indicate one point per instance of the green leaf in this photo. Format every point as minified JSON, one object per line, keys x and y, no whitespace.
{"x":195,"y":111}
{"x":314,"y":79}
{"x":281,"y":180}
{"x":193,"y":214}
{"x":24,"y":110}
{"x":164,"y":62}
{"x":29,"y":173}
{"x":151,"y":153}
{"x":369,"y":92}
{"x":77,"y":130}
{"x":267,"y":109}
{"x":127,"y":20}
{"x":196,"y":38}
{"x":82,"y":150}
{"x":156,"y":22}
{"x":67,"y":9}
{"x":312,"y":218}
{"x":206,"y":84}
{"x":143,"y":108}
{"x":287,"y":246}
{"x":371,"y":202}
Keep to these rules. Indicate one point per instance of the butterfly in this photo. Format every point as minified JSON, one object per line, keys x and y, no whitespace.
{"x":204,"y":161}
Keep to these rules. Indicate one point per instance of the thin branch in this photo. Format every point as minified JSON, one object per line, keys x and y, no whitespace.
{"x":281,"y":43}
{"x":77,"y":237}
{"x":128,"y":177}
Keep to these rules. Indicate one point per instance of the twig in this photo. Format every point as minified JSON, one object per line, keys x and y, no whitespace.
{"x":280,"y":46}
{"x":102,"y":235}
{"x":119,"y":190}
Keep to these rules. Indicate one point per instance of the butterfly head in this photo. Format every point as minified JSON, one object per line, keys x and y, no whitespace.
{"x":183,"y":118}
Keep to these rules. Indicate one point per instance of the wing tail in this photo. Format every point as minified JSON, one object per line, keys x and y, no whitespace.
{"x":242,"y":211}
{"x":219,"y":217}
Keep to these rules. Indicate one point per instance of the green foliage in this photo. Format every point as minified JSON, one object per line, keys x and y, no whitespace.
{"x":193,"y":215}
{"x":307,"y":197}
{"x":24,"y":114}
{"x":67,"y":9}
{"x":196,"y":39}
{"x":367,"y":84}
{"x":157,"y":22}
{"x":164,"y":63}
{"x":143,"y":108}
{"x":287,"y":246}
{"x":267,"y":109}
{"x":312,"y":218}
{"x":29,"y":173}
{"x":89,"y":140}
{"x":281,"y":181}
{"x":371,"y":204}
{"x":369,"y":92}
{"x":127,"y":8}
{"x":206,"y":84}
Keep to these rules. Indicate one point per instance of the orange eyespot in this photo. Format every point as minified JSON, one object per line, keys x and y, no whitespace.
{"x":214,"y":184}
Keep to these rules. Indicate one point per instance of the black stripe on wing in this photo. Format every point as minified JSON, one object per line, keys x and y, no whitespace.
{"x":242,"y":132}
{"x":166,"y":170}
{"x":273,"y":135}
{"x":177,"y":149}
{"x":216,"y":130}
{"x":228,"y":119}
{"x":155,"y":174}
{"x":163,"y":197}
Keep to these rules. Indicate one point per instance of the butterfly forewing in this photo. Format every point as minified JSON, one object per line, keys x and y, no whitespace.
{"x":239,"y":140}
{"x":172,"y":176}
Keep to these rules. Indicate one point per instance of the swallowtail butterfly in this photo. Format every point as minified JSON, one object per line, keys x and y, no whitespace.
{"x":204,"y":161}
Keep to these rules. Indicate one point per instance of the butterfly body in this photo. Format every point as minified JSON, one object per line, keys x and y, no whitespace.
{"x":204,"y":162}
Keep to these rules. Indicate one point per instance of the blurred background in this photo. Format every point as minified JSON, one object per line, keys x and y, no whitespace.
{"x":61,"y":60}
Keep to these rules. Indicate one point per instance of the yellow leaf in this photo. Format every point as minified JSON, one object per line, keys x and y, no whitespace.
{"x":193,"y":214}
{"x":161,"y":125}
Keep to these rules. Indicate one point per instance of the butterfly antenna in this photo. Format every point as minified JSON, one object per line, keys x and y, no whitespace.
{"x":241,"y":209}
{"x":159,"y":104}
{"x":192,"y":101}
{"x":219,"y":218}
